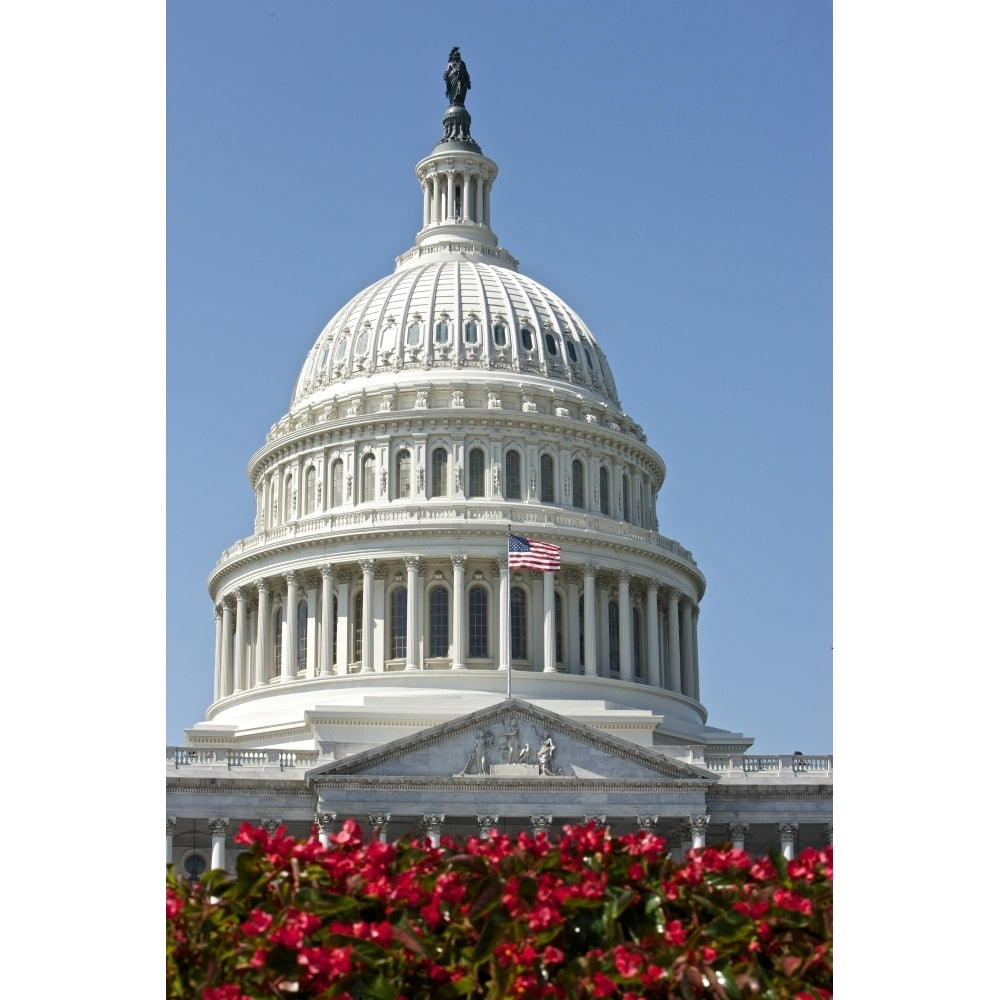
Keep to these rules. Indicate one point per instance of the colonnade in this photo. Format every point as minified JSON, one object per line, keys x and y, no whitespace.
{"x":457,"y":194}
{"x":346,"y":618}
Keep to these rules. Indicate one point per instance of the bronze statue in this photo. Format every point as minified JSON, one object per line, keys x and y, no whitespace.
{"x":456,"y":79}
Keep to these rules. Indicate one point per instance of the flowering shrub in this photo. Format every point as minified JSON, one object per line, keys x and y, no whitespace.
{"x":587,"y":915}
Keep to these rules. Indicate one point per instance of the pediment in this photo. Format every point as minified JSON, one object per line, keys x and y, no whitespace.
{"x":513,"y":740}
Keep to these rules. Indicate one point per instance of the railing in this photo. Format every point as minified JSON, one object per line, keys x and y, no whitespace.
{"x":770,"y":764}
{"x":217,"y":756}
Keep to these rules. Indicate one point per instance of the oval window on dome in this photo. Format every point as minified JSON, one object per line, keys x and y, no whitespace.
{"x":324,"y":357}
{"x":590,"y":363}
{"x":527,"y":338}
{"x":500,"y":334}
{"x":571,"y":348}
{"x":472,"y":332}
{"x":413,"y":335}
{"x":362,"y":344}
{"x":341,"y":349}
{"x":550,"y":344}
{"x":388,"y":338}
{"x":441,"y":333}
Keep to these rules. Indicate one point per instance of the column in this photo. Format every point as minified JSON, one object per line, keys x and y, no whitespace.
{"x":343,"y":620}
{"x":289,"y":631}
{"x":549,"y":622}
{"x":503,"y":629}
{"x":327,"y":624}
{"x":536,"y":621}
{"x":625,"y":627}
{"x":738,"y":835}
{"x":376,"y":616}
{"x":458,"y":613}
{"x":171,"y":830}
{"x":466,"y":196}
{"x":486,"y":823}
{"x":240,"y":666}
{"x":217,"y":828}
{"x":325,"y":821}
{"x":219,"y":686}
{"x":695,"y":611}
{"x":603,"y":603}
{"x":479,"y":198}
{"x":227,"y":645}
{"x":380,"y":822}
{"x":431,"y":824}
{"x":653,"y":674}
{"x":787,"y":833}
{"x":427,"y":202}
{"x":647,"y":824}
{"x":699,"y":829}
{"x":412,"y":564}
{"x":263,"y":630}
{"x":436,"y":200}
{"x":450,"y":207}
{"x":367,"y":592}
{"x":674,"y":638}
{"x":573,"y":620}
{"x":312,"y":652}
{"x":540,"y":824}
{"x":589,"y":621}
{"x":687,"y":655}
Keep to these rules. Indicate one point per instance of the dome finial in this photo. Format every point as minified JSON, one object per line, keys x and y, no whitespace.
{"x":457,"y":121}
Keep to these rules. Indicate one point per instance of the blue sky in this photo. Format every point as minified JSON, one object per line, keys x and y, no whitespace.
{"x":665,"y":168}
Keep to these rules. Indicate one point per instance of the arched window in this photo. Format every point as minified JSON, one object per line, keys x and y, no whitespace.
{"x":301,"y":626}
{"x":625,"y":499}
{"x":397,"y":627}
{"x":577,"y":483}
{"x":518,"y":624}
{"x":477,"y":473}
{"x":276,"y":640}
{"x":337,"y":493}
{"x":478,"y":622}
{"x":636,"y":643}
{"x":582,"y":644}
{"x":367,"y":478}
{"x":500,"y":334}
{"x":439,"y":624}
{"x":402,"y":474}
{"x":310,"y":490}
{"x":613,"y":660}
{"x":559,"y":627}
{"x":289,"y":510}
{"x":605,"y":492}
{"x":512,"y":475}
{"x":548,"y":480}
{"x":439,"y":472}
{"x":359,"y":612}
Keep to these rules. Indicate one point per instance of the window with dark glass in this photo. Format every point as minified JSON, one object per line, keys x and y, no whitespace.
{"x":368,"y":478}
{"x":499,"y":334}
{"x":338,"y":483}
{"x":310,"y":490}
{"x":439,"y":624}
{"x":359,"y":610}
{"x":441,"y":333}
{"x":590,"y":363}
{"x":512,"y":475}
{"x":550,"y":344}
{"x":548,"y":480}
{"x":625,"y":500}
{"x":402,"y":474}
{"x":397,"y":628}
{"x":527,"y":338}
{"x":613,"y":660}
{"x":439,"y":472}
{"x":582,"y":646}
{"x":413,"y":335}
{"x":333,"y":630}
{"x":301,"y":626}
{"x":577,"y":483}
{"x":478,"y":622}
{"x":477,"y":473}
{"x":472,"y":332}
{"x":636,"y":643}
{"x":559,"y":627}
{"x":605,"y":492}
{"x":571,"y":348}
{"x":518,"y":624}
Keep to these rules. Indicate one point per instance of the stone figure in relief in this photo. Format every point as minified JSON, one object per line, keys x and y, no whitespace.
{"x":545,"y":752}
{"x":456,"y":79}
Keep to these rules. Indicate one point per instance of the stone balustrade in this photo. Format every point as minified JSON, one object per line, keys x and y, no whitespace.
{"x":229,"y":758}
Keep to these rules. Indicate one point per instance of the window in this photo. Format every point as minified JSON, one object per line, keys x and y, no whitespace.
{"x":276,"y":639}
{"x":359,"y":612}
{"x":472,"y":332}
{"x":571,"y":348}
{"x":550,"y":344}
{"x":441,"y":333}
{"x":582,"y":645}
{"x":194,"y":866}
{"x":625,"y":501}
{"x":338,"y":483}
{"x":333,"y":630}
{"x":527,"y":338}
{"x":518,"y":624}
{"x":499,"y":334}
{"x":413,"y":335}
{"x":613,"y":661}
{"x":367,"y":478}
{"x":636,"y":643}
{"x":323,"y":358}
{"x":397,"y":628}
{"x":301,"y":625}
{"x":362,"y":344}
{"x":388,"y":340}
{"x":478,"y":622}
{"x":477,"y":473}
{"x":590,"y":363}
{"x":439,"y":472}
{"x":341,"y":348}
{"x":605,"y":492}
{"x":559,"y":627}
{"x":577,"y":483}
{"x":439,"y":622}
{"x":402,"y":474}
{"x":310,"y":490}
{"x":548,"y":480}
{"x":512,"y":475}
{"x":288,"y":498}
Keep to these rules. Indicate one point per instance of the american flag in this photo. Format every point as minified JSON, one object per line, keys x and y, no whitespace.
{"x":526,"y":553}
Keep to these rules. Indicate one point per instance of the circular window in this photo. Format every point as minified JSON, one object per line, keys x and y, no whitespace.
{"x":195,"y":865}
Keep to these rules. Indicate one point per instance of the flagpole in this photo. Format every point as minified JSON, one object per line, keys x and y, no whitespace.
{"x":509,"y":637}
